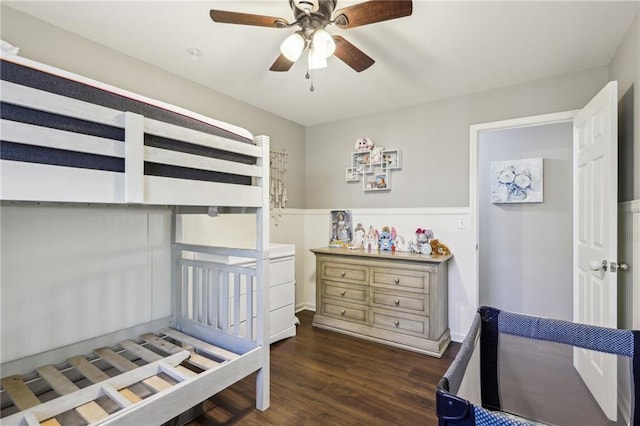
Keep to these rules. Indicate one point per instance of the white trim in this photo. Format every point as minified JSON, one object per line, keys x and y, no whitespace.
{"x":397,"y":212}
{"x":474,"y":137}
{"x":632,"y":206}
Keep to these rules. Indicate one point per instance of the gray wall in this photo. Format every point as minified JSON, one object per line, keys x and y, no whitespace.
{"x":625,"y":68}
{"x":525,"y":249}
{"x":434,"y":139}
{"x":54,"y":46}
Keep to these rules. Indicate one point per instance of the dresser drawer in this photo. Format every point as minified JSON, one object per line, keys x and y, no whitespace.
{"x":343,"y":291}
{"x":401,"y":279}
{"x":282,"y":271}
{"x":417,"y":303}
{"x":347,"y":311}
{"x":358,"y":274}
{"x":400,"y":322}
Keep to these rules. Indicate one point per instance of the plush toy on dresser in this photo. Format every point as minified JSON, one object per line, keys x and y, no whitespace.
{"x":358,"y":237}
{"x":439,"y":249}
{"x":386,"y":239}
{"x":371,"y":240}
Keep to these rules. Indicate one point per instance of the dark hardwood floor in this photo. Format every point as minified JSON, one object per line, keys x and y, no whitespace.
{"x":321,"y":377}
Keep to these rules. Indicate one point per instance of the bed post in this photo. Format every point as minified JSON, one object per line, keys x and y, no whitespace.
{"x":262,"y":269}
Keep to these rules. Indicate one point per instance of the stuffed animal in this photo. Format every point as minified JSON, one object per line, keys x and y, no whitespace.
{"x":439,"y":249}
{"x":358,"y":237}
{"x":401,"y":244}
{"x":371,"y":240}
{"x":385,"y":240}
{"x":376,"y":154}
{"x":364,"y":144}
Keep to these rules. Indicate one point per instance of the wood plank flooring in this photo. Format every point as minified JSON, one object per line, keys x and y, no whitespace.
{"x":321,"y":377}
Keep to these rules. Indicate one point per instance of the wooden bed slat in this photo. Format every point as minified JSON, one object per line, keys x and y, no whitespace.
{"x":121,"y":363}
{"x":168,"y":347}
{"x":130,"y":395}
{"x":90,"y":412}
{"x":117,"y":360}
{"x":87,"y":369}
{"x":83,"y":396}
{"x":19,"y":392}
{"x":204,"y":346}
{"x":178,"y":372}
{"x":95,"y":375}
{"x":141,"y":351}
{"x":58,"y":381}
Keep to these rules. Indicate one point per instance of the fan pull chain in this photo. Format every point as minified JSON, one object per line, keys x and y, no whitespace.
{"x":308,"y":76}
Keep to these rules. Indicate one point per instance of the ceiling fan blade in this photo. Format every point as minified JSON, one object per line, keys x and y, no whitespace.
{"x":372,"y":11}
{"x":225,"y":17}
{"x":281,"y":64}
{"x":351,"y":55}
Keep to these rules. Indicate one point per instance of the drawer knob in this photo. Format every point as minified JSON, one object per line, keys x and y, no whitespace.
{"x":342,"y":312}
{"x":397,"y":281}
{"x":396,"y":322}
{"x":343,"y":273}
{"x":397,"y":302}
{"x":342,"y":293}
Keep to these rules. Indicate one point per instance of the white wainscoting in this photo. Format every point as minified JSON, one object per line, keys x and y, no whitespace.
{"x":628,"y":287}
{"x":307,"y":229}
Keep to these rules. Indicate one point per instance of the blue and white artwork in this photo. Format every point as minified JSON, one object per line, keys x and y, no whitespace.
{"x":517,"y":181}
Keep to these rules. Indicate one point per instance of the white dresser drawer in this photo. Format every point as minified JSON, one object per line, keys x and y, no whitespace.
{"x":281,"y":319}
{"x":281,"y":271}
{"x":281,"y":295}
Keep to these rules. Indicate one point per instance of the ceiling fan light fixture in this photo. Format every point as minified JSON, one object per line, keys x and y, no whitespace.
{"x":317,"y":60}
{"x":323,"y":42}
{"x":293,"y":46}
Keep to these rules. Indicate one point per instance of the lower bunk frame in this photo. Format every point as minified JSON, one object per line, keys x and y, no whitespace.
{"x":152,"y":373}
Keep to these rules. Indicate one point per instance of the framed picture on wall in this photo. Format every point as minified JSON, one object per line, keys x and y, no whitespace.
{"x":517,"y":181}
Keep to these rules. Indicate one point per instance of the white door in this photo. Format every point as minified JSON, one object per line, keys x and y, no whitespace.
{"x":595,"y":137}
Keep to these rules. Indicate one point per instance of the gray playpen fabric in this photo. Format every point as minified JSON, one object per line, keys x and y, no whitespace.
{"x":526,"y":373}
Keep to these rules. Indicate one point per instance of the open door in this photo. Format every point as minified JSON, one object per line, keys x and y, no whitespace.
{"x":595,"y":140}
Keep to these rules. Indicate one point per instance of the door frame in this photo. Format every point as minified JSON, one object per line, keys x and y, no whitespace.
{"x":474,"y":138}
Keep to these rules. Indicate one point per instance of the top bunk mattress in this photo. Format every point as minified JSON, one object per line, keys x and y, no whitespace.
{"x":59,"y":127}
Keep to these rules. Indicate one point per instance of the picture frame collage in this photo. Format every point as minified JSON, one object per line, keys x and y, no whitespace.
{"x":373,"y":168}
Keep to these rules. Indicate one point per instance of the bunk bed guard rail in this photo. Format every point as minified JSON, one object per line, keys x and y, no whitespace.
{"x":488,"y":324}
{"x":61,"y":149}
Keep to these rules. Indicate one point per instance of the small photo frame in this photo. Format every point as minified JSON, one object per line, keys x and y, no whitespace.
{"x":352,"y":175}
{"x":361,"y":161}
{"x":391,"y":159}
{"x":376,"y":181}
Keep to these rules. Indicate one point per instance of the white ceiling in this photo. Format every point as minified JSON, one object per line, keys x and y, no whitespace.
{"x":444,"y":49}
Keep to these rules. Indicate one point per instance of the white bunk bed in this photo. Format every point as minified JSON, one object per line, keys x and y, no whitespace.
{"x":70,"y":141}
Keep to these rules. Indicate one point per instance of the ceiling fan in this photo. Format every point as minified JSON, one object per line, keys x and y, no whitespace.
{"x":311,"y":18}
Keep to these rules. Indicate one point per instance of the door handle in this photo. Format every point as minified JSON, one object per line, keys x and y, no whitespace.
{"x":620,"y":266}
{"x":595,"y":265}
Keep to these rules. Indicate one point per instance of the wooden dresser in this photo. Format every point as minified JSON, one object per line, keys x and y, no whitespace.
{"x":395,"y":298}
